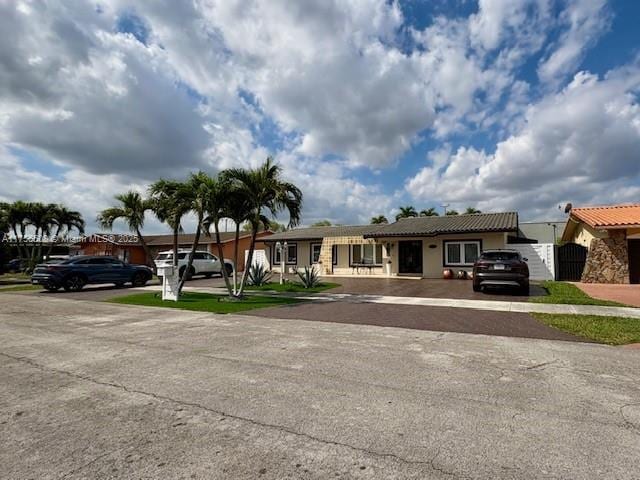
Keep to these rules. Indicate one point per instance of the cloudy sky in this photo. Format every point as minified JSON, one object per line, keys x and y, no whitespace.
{"x":367,"y":104}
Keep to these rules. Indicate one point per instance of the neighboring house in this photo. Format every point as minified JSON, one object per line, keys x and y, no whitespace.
{"x":421,"y":246}
{"x":612,"y":235}
{"x":541,"y":232}
{"x":127,"y":248}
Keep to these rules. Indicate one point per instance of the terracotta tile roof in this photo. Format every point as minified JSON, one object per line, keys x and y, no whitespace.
{"x":609,"y":217}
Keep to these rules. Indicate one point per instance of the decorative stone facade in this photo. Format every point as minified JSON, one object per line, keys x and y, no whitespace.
{"x":327,"y":247}
{"x":608,"y":259}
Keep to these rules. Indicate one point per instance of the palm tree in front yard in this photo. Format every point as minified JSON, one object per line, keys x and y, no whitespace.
{"x":132,"y":211}
{"x":170,"y":201}
{"x":265,"y":191}
{"x":407,"y":212}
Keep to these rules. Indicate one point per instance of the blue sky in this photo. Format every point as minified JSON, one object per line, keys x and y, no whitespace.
{"x":368,"y":105}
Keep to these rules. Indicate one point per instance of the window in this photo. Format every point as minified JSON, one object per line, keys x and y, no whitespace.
{"x":291,"y":256}
{"x":315,"y":252}
{"x":461,"y":253}
{"x":199,"y":256}
{"x":366,"y":254}
{"x":334,"y":255}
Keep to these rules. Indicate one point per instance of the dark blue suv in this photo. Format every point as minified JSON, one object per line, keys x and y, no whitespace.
{"x":76,"y":272}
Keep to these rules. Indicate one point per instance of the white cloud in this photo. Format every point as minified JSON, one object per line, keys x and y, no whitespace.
{"x":584,"y":22}
{"x":579,"y":145}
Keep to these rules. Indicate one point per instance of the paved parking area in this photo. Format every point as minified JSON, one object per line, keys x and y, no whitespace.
{"x":93,"y":390}
{"x":439,"y":319}
{"x":426,"y":287}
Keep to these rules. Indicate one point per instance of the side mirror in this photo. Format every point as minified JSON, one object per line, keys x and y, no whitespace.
{"x":525,"y":259}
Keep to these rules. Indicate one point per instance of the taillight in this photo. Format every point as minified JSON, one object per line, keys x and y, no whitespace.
{"x":482,"y":265}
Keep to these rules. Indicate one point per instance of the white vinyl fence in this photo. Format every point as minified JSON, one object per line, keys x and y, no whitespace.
{"x":541,"y":259}
{"x":260,"y":257}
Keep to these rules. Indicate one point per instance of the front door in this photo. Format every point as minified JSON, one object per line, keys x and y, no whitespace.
{"x":410,"y":256}
{"x":634,"y":261}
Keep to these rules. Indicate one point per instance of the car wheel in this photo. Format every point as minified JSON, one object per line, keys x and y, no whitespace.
{"x":74,"y":283}
{"x":477,"y":288}
{"x":524,"y":290}
{"x":139,"y":280}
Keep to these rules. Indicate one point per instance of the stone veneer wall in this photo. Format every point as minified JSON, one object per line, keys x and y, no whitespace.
{"x":608,"y":259}
{"x":327,"y":246}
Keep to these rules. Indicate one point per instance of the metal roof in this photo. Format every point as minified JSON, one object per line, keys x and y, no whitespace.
{"x":431,"y":226}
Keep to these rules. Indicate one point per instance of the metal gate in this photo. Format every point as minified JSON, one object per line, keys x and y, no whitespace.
{"x":571,"y":260}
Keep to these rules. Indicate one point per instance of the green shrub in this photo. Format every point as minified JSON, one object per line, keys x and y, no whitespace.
{"x":309,"y":277}
{"x":258,"y":275}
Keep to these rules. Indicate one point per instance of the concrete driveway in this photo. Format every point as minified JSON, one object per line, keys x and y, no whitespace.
{"x":93,"y":390}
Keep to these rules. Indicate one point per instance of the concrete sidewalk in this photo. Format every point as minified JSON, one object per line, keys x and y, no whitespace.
{"x":498,"y":306}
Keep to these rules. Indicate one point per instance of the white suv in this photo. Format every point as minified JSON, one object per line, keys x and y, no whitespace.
{"x":203,"y":263}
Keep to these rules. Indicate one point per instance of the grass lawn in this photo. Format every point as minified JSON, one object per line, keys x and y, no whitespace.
{"x":292,"y":287}
{"x":204,"y":302}
{"x":19,"y":288}
{"x":609,"y":330}
{"x":566,"y":293}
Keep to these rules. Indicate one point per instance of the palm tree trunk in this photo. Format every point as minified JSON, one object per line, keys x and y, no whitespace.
{"x":194,"y":247}
{"x":221,"y":258}
{"x":147,"y":253}
{"x":50,"y":249}
{"x":21,"y":253}
{"x":235,"y":260}
{"x":175,"y":247}
{"x":254,"y":234}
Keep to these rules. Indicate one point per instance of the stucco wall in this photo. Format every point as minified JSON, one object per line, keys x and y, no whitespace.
{"x":584,"y":234}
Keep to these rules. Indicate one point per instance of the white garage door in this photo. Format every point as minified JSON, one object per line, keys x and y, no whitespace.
{"x":541,"y":259}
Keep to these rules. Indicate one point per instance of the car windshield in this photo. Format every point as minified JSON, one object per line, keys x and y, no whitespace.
{"x":504,"y":256}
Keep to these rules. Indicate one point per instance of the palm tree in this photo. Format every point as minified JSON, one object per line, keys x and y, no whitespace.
{"x":217,"y":203}
{"x":4,"y":229}
{"x":41,"y":218}
{"x":452,"y":212}
{"x":170,"y":201}
{"x":406,"y":212}
{"x":198,"y":184}
{"x":429,"y":212}
{"x":4,"y":220}
{"x":265,"y":191}
{"x":18,"y":221}
{"x":237,"y":207}
{"x":132,"y":210}
{"x":471,"y":210}
{"x":65,"y":220}
{"x":380,"y":219}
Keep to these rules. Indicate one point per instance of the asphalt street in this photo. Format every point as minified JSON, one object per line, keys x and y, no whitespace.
{"x":94,"y":390}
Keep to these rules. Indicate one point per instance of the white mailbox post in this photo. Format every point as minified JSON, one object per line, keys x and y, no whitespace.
{"x":170,"y":280}
{"x":282,"y":248}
